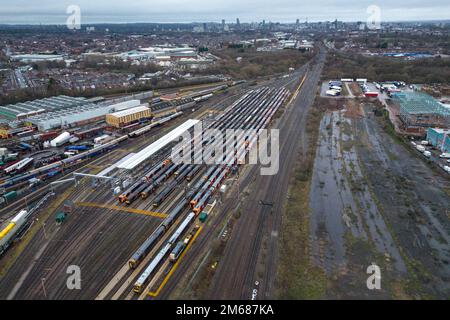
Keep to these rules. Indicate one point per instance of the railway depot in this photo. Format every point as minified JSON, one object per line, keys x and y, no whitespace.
{"x":151,"y":189}
{"x":233,"y":161}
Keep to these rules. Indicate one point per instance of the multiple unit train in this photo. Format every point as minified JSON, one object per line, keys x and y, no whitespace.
{"x":253,"y":111}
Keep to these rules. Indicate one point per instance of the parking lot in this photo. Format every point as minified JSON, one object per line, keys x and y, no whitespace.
{"x":434,"y":154}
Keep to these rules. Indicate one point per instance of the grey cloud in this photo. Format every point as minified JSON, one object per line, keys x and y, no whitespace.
{"x":50,"y":11}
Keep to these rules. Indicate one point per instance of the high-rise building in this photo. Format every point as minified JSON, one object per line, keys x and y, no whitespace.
{"x":238,"y":23}
{"x":223,"y":24}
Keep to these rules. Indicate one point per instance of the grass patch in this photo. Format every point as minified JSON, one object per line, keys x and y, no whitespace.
{"x":296,"y":277}
{"x":16,"y":250}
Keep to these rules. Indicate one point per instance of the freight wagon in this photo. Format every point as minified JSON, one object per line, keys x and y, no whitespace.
{"x":88,"y":132}
{"x":10,"y":196}
{"x":78,"y":148}
{"x":10,"y":232}
{"x":131,"y":127}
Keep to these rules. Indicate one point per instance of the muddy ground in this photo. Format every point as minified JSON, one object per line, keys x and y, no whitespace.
{"x":374,"y":201}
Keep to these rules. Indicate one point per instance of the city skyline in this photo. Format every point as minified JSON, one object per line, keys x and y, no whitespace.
{"x":175,"y":11}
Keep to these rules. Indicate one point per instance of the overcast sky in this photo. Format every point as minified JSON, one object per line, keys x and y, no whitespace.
{"x":54,"y":11}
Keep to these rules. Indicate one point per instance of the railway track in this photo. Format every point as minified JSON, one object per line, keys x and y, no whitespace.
{"x":275,"y":223}
{"x":261,"y":95}
{"x":78,"y":195}
{"x":241,"y":253}
{"x":96,"y":231}
{"x":205,"y":239}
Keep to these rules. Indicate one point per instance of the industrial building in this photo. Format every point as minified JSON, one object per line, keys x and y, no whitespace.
{"x":63,"y":111}
{"x":439,"y":138}
{"x":24,"y":110}
{"x":37,"y":57}
{"x":124,"y":117}
{"x":126,"y":105}
{"x":144,"y":54}
{"x":151,"y":149}
{"x":191,"y":63}
{"x":70,"y":117}
{"x":419,"y":111}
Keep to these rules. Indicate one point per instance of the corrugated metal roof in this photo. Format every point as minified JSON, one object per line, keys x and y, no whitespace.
{"x":421,"y":103}
{"x":127,"y":112}
{"x":106,"y":171}
{"x":126,"y":105}
{"x":147,"y":152}
{"x":46,"y":104}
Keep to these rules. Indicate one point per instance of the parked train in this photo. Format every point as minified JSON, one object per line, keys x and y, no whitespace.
{"x":19,"y":166}
{"x":68,"y":162}
{"x":150,"y":242}
{"x":181,"y":245}
{"x":152,"y":267}
{"x":12,"y":230}
{"x":198,"y":197}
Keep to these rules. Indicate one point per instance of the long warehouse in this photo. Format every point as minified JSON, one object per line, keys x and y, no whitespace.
{"x":150,"y":150}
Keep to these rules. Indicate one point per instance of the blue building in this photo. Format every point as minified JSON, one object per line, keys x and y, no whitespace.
{"x":435,"y":136}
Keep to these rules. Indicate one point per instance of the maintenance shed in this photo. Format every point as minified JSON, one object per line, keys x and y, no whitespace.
{"x":124,"y":117}
{"x":147,"y":152}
